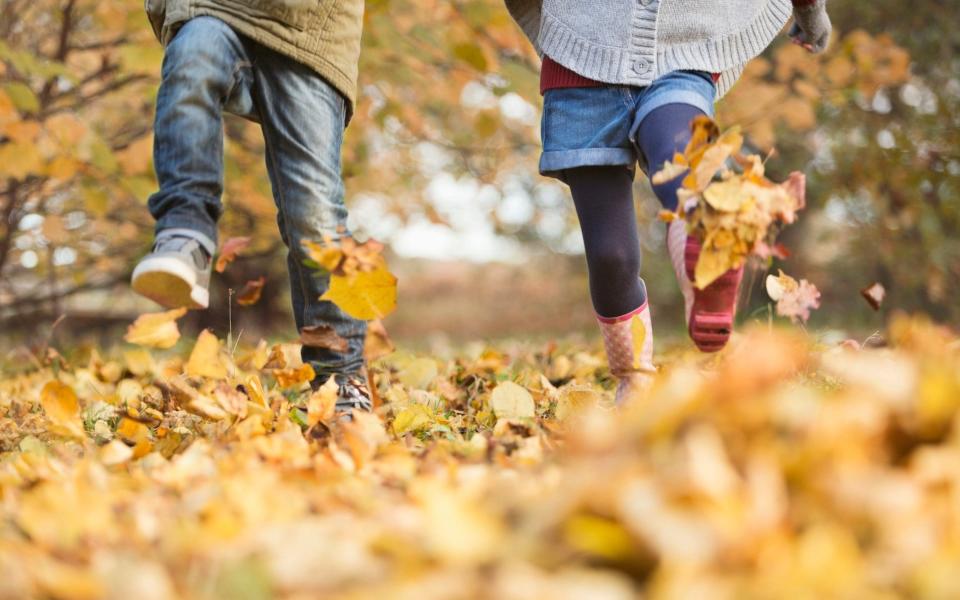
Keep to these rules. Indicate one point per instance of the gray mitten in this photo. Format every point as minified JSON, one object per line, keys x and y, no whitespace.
{"x":811,"y":25}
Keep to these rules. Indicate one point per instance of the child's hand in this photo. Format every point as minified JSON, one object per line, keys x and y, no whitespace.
{"x":811,"y":26}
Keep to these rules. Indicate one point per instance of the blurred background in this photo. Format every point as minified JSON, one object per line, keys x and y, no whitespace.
{"x":440,"y":164}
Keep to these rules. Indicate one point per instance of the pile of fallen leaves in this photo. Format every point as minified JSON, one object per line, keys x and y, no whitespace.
{"x":781,"y":464}
{"x":727,"y":200}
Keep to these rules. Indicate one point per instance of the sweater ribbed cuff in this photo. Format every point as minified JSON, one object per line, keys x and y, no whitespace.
{"x":553,"y":76}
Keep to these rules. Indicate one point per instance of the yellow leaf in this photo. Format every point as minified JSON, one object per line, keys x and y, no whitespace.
{"x":291,"y":377}
{"x":22,"y":132}
{"x":63,"y":168}
{"x":419,"y":373}
{"x":205,"y":359}
{"x":712,"y":263}
{"x":713,"y":159}
{"x":323,"y":403}
{"x":139,"y":361}
{"x":8,"y":112}
{"x":62,"y":408}
{"x":511,"y":401}
{"x":669,"y":172}
{"x":327,"y":255}
{"x":115,"y":453}
{"x":365,"y":295}
{"x":725,"y":195}
{"x":598,"y":536}
{"x":413,"y":418}
{"x":363,"y":436}
{"x":20,"y":160}
{"x":156,"y":330}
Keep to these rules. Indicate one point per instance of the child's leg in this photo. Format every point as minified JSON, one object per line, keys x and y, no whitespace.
{"x":710,"y":311}
{"x":199,"y":69}
{"x":603,"y":196}
{"x":303,"y":120}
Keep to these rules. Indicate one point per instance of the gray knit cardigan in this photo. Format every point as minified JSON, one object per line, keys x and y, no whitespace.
{"x":632,"y":42}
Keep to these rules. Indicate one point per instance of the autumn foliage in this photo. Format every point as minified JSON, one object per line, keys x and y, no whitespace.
{"x":198,"y":462}
{"x":783,"y":464}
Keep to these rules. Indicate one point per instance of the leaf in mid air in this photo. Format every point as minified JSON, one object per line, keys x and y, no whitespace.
{"x":229,"y":251}
{"x":155,"y":330}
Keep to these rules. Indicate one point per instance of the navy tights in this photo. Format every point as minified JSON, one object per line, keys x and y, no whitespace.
{"x":603,"y":197}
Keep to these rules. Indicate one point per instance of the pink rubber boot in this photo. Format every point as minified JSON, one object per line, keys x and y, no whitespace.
{"x":710,"y":311}
{"x":628,"y":340}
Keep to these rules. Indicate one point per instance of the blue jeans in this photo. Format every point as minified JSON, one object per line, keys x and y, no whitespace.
{"x":588,"y":127}
{"x":207,"y":69}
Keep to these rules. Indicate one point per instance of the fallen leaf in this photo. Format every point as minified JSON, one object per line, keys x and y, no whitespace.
{"x":62,"y":408}
{"x":250,"y":294}
{"x":155,"y":330}
{"x":412,"y":419}
{"x":363,"y":436}
{"x":323,"y":336}
{"x":418,"y":374}
{"x":229,"y":251}
{"x":323,"y":402}
{"x":511,"y":401}
{"x":115,"y":453}
{"x":377,"y":344}
{"x":296,"y":376}
{"x":205,"y":359}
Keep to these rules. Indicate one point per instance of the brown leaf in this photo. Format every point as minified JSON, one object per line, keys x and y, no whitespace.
{"x":229,"y":251}
{"x":378,"y":343}
{"x":250,"y":294}
{"x":322,"y":336}
{"x":874,"y":295}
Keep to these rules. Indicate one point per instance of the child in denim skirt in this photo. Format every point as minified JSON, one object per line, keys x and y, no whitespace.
{"x":622,"y":81}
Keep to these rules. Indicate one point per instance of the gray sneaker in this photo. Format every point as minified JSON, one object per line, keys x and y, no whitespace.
{"x":176,"y":273}
{"x":352,"y":395}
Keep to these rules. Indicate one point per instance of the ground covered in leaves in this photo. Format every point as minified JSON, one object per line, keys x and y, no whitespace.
{"x":781,"y":464}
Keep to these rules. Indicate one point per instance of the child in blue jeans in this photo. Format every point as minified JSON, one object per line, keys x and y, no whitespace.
{"x":622,"y":80}
{"x":290,"y":66}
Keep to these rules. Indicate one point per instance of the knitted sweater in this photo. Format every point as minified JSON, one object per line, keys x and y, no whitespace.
{"x":635,"y":42}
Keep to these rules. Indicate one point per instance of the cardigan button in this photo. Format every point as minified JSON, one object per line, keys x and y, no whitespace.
{"x":641,"y":66}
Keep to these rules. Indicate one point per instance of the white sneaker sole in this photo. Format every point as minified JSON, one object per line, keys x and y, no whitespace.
{"x":169,"y":283}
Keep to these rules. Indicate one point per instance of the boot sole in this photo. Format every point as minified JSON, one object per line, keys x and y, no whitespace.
{"x":169,"y":283}
{"x":714,"y":307}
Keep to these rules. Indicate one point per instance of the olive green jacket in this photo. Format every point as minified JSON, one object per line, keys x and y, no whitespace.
{"x":322,"y":34}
